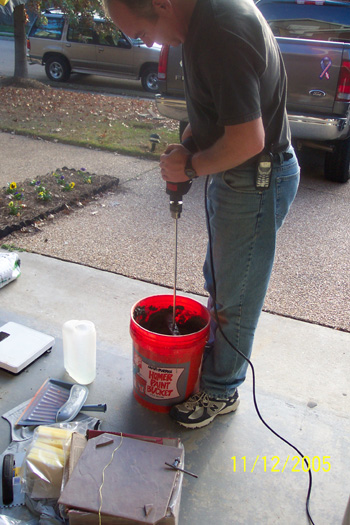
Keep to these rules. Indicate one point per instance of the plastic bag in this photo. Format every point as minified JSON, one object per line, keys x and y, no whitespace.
{"x":9,"y":268}
{"x":44,"y":511}
{"x":17,"y":516}
{"x":43,"y":467}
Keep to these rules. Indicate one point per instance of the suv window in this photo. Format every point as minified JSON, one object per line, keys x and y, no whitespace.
{"x":308,"y":21}
{"x":82,"y":34}
{"x":111,"y":38}
{"x":85,"y":35}
{"x":48,"y":27}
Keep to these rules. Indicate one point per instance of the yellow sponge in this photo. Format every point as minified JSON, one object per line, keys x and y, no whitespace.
{"x":53,"y":433}
{"x":45,"y":461}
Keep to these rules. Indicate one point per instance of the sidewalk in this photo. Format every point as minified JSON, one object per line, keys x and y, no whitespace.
{"x":302,"y":392}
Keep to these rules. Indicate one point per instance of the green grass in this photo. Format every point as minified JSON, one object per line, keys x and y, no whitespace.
{"x":9,"y":30}
{"x":132,"y":140}
{"x":6,"y":29}
{"x":96,"y":121}
{"x":11,"y":248}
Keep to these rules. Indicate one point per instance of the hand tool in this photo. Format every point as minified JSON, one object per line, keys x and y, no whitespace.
{"x":176,"y":190}
{"x":57,"y":401}
{"x":175,"y":466}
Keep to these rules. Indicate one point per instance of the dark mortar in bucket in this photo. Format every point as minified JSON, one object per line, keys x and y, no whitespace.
{"x":159,"y":320}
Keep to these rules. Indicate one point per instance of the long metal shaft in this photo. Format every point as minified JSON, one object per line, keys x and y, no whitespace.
{"x":175,"y":276}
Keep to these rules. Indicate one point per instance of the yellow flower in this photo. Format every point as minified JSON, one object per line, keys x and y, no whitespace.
{"x":11,"y":204}
{"x":41,"y":193}
{"x":13,"y":186}
{"x":71,"y":185}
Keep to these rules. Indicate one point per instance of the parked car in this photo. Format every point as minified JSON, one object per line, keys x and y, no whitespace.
{"x":64,"y":49}
{"x":314,"y":37}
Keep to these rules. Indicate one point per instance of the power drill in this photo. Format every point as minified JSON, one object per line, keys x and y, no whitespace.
{"x":176,"y":190}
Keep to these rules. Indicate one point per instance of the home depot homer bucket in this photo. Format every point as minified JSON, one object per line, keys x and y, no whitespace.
{"x":166,"y":366}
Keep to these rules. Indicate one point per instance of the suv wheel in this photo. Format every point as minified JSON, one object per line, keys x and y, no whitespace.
{"x":337,"y":163}
{"x":57,"y":69}
{"x":149,"y":79}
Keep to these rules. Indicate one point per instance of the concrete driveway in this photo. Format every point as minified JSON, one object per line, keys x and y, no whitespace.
{"x":302,"y":378}
{"x":130,"y":232}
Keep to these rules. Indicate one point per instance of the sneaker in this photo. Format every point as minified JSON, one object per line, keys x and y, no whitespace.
{"x":199,"y":410}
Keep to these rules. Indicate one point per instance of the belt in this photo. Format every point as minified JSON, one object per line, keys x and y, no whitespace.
{"x":277,"y":158}
{"x":282,"y":156}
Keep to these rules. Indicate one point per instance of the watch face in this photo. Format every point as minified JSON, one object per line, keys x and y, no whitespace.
{"x":190,"y":173}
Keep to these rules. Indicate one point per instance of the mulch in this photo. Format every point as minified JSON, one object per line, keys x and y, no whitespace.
{"x":80,"y":188}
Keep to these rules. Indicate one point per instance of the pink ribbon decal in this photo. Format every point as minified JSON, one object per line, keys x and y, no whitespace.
{"x":325,"y":64}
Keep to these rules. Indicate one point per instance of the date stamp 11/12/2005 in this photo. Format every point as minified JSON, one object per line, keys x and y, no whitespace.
{"x":276,"y":464}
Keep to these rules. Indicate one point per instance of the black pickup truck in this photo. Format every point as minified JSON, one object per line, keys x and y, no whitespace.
{"x":314,"y":37}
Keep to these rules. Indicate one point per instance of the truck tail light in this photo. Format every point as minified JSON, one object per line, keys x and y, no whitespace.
{"x":28,"y":44}
{"x":343,"y":90}
{"x":163,"y":62}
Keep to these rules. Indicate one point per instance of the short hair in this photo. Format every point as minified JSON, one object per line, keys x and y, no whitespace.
{"x":143,"y":8}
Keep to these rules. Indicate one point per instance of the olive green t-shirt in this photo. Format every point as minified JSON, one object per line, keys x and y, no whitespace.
{"x":234,"y":73}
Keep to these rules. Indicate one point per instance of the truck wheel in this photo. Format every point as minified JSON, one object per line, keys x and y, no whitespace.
{"x":337,"y":163}
{"x":149,"y":79}
{"x":57,"y":69}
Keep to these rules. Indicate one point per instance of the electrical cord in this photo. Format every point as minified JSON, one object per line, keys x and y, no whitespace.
{"x":249,"y":362}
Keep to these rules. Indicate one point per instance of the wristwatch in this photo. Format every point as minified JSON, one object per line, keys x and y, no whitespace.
{"x":189,"y":169}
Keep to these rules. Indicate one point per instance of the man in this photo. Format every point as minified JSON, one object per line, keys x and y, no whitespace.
{"x":235,"y":87}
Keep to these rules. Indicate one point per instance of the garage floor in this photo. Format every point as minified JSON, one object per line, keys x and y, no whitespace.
{"x":302,"y":386}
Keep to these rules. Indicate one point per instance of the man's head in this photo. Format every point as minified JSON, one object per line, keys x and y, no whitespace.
{"x":160,"y":21}
{"x":142,"y":8}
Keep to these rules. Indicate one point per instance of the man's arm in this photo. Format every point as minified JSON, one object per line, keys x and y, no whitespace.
{"x":186,"y":133}
{"x":238,"y":144}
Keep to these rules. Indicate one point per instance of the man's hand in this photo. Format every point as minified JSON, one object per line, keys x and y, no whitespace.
{"x":173,"y":162}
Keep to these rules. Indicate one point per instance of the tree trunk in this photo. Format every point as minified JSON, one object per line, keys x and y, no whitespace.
{"x":21,"y":66}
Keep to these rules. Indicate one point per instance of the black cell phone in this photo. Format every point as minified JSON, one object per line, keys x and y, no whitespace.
{"x":263,"y":172}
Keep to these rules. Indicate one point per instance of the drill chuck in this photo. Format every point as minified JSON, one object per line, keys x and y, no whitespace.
{"x":175,"y":208}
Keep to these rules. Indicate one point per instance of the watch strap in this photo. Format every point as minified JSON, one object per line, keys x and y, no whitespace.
{"x":189,"y":169}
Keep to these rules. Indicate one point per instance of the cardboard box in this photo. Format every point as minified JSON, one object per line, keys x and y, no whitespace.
{"x":138,"y":487}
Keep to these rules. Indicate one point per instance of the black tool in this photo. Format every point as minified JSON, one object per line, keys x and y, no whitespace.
{"x":176,"y":190}
{"x":175,"y":466}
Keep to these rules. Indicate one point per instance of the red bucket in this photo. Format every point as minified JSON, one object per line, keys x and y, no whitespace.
{"x":166,"y":367}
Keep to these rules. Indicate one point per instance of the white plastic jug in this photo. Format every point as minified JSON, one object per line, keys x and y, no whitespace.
{"x":79,"y":350}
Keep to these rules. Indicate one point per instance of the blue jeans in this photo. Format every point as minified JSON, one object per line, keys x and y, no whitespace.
{"x":243,"y":224}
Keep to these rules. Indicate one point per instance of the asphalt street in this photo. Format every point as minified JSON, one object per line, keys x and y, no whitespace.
{"x":130,"y":232}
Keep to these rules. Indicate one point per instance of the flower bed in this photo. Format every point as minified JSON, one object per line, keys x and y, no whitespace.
{"x":25,"y":202}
